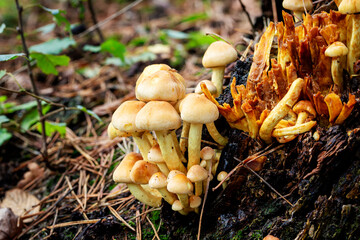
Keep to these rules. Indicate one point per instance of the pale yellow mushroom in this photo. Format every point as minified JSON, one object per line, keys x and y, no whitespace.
{"x":113,"y":132}
{"x":221,"y":176}
{"x":298,"y":7}
{"x":217,"y":56}
{"x":210,"y":86}
{"x":348,"y":6}
{"x":197,"y":175}
{"x":281,"y":110}
{"x":353,"y":40}
{"x":158,"y":181}
{"x":182,"y":187}
{"x":155,"y":156}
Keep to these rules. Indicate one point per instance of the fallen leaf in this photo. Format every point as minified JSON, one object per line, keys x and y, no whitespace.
{"x":20,"y":203}
{"x":8,"y":224}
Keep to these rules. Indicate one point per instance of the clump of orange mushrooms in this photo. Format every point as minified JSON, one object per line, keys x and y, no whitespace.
{"x":284,"y":96}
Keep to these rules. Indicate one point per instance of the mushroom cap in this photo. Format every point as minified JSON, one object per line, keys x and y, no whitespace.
{"x":155,"y":155}
{"x":180,"y":184}
{"x":210,"y":86}
{"x":304,"y":106}
{"x":158,"y":116}
{"x":177,"y":206}
{"x":160,"y":86}
{"x":219,"y":54}
{"x":196,"y":108}
{"x":221,"y":176}
{"x":142,"y":171}
{"x":270,"y":237}
{"x":158,"y":180}
{"x":122,"y":172}
{"x":336,"y":49}
{"x":349,"y":6}
{"x":123,"y":118}
{"x":173,"y":173}
{"x":157,"y":67}
{"x":297,"y":5}
{"x":194,"y":201}
{"x":197,"y":173}
{"x":207,"y":153}
{"x":113,"y":132}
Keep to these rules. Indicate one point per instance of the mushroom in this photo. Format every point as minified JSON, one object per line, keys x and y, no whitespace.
{"x":182,"y":186}
{"x":221,"y":176}
{"x":122,"y":175}
{"x":155,"y":156}
{"x":142,"y":171}
{"x":298,"y":6}
{"x":353,"y":39}
{"x":158,"y":181}
{"x":194,"y":201}
{"x":349,"y":6}
{"x":217,"y":56}
{"x":161,"y":117}
{"x":123,"y":119}
{"x":281,"y":110}
{"x":160,"y":86}
{"x":334,"y":104}
{"x":208,"y":155}
{"x":113,"y":132}
{"x":197,"y":110}
{"x":270,"y":237}
{"x":210,"y":86}
{"x":197,"y":175}
{"x":337,"y":51}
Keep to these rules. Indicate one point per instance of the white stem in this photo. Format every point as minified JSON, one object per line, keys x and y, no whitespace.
{"x":217,"y":78}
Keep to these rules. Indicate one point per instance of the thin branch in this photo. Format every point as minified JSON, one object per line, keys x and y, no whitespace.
{"x":20,"y":30}
{"x":274,"y":10}
{"x":94,"y":20}
{"x":106,"y":20}
{"x":248,"y":16}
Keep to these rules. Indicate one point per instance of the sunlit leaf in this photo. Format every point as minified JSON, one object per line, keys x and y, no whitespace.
{"x":195,"y":17}
{"x":59,"y":17}
{"x":3,"y":119}
{"x":114,"y":47}
{"x":32,"y":117}
{"x":52,"y":127}
{"x":92,"y":48}
{"x":198,"y":39}
{"x":2,"y":73}
{"x":46,"y":29}
{"x":4,"y":136}
{"x":89,"y":112}
{"x":2,"y":27}
{"x":176,"y":34}
{"x":47,"y":62}
{"x":7,"y":57}
{"x":54,"y":46}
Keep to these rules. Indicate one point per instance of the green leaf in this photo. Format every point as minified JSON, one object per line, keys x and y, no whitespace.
{"x":3,"y":98}
{"x":2,"y":27}
{"x":195,"y":17}
{"x":32,"y":117}
{"x":59,"y":17}
{"x":7,"y":57}
{"x":114,"y":47}
{"x":52,"y":127}
{"x":198,"y":39}
{"x":24,"y":106}
{"x":54,"y":46}
{"x":4,"y":136}
{"x":176,"y":34}
{"x":89,"y":112}
{"x":3,"y":119}
{"x":92,"y":48}
{"x":46,"y":29}
{"x":47,"y":62}
{"x":2,"y":73}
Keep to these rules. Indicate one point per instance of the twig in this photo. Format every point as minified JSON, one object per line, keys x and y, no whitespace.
{"x":74,"y":223}
{"x":20,"y":30}
{"x":117,"y":215}
{"x":248,"y":16}
{"x":108,"y":19}
{"x":93,"y":18}
{"x":138,"y":225}
{"x":274,"y":10}
{"x":153,"y":227}
{"x":203,"y":204}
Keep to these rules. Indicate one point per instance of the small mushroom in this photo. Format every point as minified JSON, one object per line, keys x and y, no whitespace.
{"x":217,"y":56}
{"x":113,"y":132}
{"x":122,"y":175}
{"x":197,"y":110}
{"x":182,"y":186}
{"x":210,"y":86}
{"x":195,"y":201}
{"x":281,"y":110}
{"x":155,"y":156}
{"x":197,"y":175}
{"x":208,"y":155}
{"x":337,"y":51}
{"x":298,"y":6}
{"x":221,"y":176}
{"x":142,"y":171}
{"x":158,"y":181}
{"x":349,"y":6}
{"x":353,"y":39}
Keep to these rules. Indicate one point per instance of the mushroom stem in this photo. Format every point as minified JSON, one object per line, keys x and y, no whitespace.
{"x":214,"y":133}
{"x":177,"y":147}
{"x":143,"y":196}
{"x":198,"y":188}
{"x":169,"y":152}
{"x":184,"y":136}
{"x":184,"y":199}
{"x":194,"y":144}
{"x":217,"y":78}
{"x":168,"y":196}
{"x":142,"y":143}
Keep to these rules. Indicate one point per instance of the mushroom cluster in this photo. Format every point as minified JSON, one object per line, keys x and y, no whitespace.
{"x":162,"y":170}
{"x":289,"y":94}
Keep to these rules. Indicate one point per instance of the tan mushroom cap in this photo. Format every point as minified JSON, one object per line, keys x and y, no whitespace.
{"x":173,"y":173}
{"x":270,"y":237}
{"x":158,"y":116}
{"x":209,"y":84}
{"x":207,"y":153}
{"x":221,"y":176}
{"x":123,"y":118}
{"x":153,"y":68}
{"x":195,"y":201}
{"x":219,"y":54}
{"x":113,"y":132}
{"x":160,"y":86}
{"x":177,"y":206}
{"x":196,"y":108}
{"x":180,"y":184}
{"x":349,"y":6}
{"x":142,"y":171}
{"x":197,"y":173}
{"x":158,"y":180}
{"x":297,"y":5}
{"x":122,"y":172}
{"x":155,"y":155}
{"x":336,"y":49}
{"x":304,"y":106}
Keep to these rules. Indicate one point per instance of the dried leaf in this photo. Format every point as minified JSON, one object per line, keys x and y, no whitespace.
{"x":8,"y":224}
